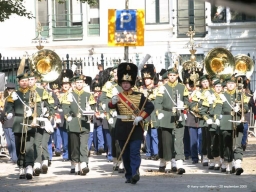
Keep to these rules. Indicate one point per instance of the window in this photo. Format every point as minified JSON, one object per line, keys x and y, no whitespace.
{"x":218,"y":14}
{"x":157,"y":11}
{"x":240,"y":17}
{"x":94,"y":20}
{"x":67,"y":20}
{"x":42,"y":17}
{"x":191,"y":13}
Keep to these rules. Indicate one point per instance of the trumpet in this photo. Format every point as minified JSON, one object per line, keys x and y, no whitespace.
{"x":33,"y":104}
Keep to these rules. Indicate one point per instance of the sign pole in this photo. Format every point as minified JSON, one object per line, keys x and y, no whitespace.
{"x":126,"y":48}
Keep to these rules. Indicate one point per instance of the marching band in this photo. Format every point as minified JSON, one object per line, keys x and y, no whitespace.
{"x":127,"y":110}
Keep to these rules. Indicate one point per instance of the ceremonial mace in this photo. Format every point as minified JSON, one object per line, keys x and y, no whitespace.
{"x":130,"y":134}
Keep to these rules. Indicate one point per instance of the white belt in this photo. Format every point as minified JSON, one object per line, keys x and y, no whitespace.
{"x":128,"y":117}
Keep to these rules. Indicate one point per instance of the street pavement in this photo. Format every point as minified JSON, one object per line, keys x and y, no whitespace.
{"x":99,"y":179}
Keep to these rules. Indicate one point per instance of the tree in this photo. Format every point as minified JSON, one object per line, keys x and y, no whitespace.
{"x":16,"y":7}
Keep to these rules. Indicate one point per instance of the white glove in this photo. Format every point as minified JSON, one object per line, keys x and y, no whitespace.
{"x":114,"y":99}
{"x":69,"y":97}
{"x":69,"y":118}
{"x":209,"y":121}
{"x":114,"y":114}
{"x":108,"y":85}
{"x":44,"y":110}
{"x":28,"y":112}
{"x":111,"y":121}
{"x":217,"y":122}
{"x":103,"y":106}
{"x":48,"y":126}
{"x":160,"y":116}
{"x":9,"y":116}
{"x":60,"y":110}
{"x":185,"y":116}
{"x":180,"y":104}
{"x":137,"y":120}
{"x":198,"y":94}
{"x":102,"y":116}
{"x":145,"y":133}
{"x":236,"y":108}
{"x":114,"y":91}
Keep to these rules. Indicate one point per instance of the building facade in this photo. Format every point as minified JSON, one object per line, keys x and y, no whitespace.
{"x":81,"y":31}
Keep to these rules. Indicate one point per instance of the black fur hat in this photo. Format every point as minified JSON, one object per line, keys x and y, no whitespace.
{"x":148,"y":71}
{"x":127,"y":72}
{"x":66,"y":76}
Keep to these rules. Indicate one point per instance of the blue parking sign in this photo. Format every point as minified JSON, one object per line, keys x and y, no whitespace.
{"x":125,"y":20}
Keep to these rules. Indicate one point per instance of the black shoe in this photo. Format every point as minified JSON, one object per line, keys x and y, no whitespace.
{"x":168,"y":171}
{"x":72,"y":170}
{"x":194,"y":162}
{"x":44,"y":169}
{"x":187,"y":158}
{"x":211,"y":167}
{"x":233,"y":170}
{"x":228,"y":172}
{"x":57,"y":154}
{"x":28,"y":176}
{"x":244,"y":147}
{"x":78,"y":173}
{"x":155,"y":157}
{"x":239,"y":171}
{"x":120,"y":170}
{"x":128,"y":181}
{"x":205,"y":164}
{"x":223,"y":170}
{"x":116,"y":168}
{"x":216,"y":168}
{"x":174,"y":169}
{"x":37,"y":172}
{"x":148,"y":158}
{"x":181,"y":171}
{"x":49,"y":163}
{"x":135,"y":178}
{"x":22,"y":176}
{"x":65,"y":160}
{"x":85,"y":171}
{"x":101,"y":150}
{"x":161,"y":169}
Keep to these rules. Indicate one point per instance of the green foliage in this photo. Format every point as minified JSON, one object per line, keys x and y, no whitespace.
{"x":16,"y":7}
{"x":9,"y":7}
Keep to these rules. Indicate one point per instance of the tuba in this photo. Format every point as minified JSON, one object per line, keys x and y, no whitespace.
{"x":219,"y":61}
{"x":244,"y":65}
{"x":46,"y":64}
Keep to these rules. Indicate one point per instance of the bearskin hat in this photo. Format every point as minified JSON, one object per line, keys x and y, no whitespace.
{"x":66,"y":76}
{"x":127,"y":72}
{"x":96,"y":87}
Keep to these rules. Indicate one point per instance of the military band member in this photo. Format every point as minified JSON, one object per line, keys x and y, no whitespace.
{"x":170,"y":102}
{"x":78,"y":125}
{"x":148,"y":75}
{"x":20,"y":103}
{"x":231,"y":132}
{"x":110,"y":89}
{"x":131,"y":110}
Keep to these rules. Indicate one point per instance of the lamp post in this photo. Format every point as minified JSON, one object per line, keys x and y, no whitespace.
{"x":39,"y":39}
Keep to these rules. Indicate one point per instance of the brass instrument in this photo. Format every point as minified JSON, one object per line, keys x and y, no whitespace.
{"x":33,"y":104}
{"x":46,"y":64}
{"x":244,"y":65}
{"x":219,"y":61}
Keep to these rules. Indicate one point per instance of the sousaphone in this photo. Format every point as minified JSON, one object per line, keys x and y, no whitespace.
{"x":219,"y":61}
{"x":46,"y":64}
{"x":244,"y":65}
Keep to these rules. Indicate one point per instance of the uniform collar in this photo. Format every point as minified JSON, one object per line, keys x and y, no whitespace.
{"x":24,"y":90}
{"x":128,"y":92}
{"x":231,"y":92}
{"x":78,"y":92}
{"x":172,"y":84}
{"x":33,"y":88}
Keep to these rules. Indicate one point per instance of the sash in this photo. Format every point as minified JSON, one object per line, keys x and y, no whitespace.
{"x":129,"y":104}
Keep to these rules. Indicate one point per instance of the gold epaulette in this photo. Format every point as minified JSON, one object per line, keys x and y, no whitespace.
{"x":64,"y":98}
{"x":50,"y":99}
{"x":205,"y":103}
{"x":45,"y":95}
{"x":194,"y":98}
{"x":91,"y":100}
{"x":246,"y":99}
{"x":160,"y":91}
{"x":9,"y":99}
{"x":186,"y":92}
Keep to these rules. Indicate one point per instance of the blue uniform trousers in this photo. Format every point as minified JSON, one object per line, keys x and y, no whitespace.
{"x":98,"y":139}
{"x":90,"y":141}
{"x":64,"y":139}
{"x":195,"y":142}
{"x":57,"y":140}
{"x":245,"y":133}
{"x":186,"y":141}
{"x":10,"y":139}
{"x":50,"y":146}
{"x":151,"y":142}
{"x":131,"y":157}
{"x":107,"y":141}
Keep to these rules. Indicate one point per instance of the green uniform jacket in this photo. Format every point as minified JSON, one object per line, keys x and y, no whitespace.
{"x":226,"y":111}
{"x":18,"y":107}
{"x":164,"y":104}
{"x":206,"y":108}
{"x":79,"y":123}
